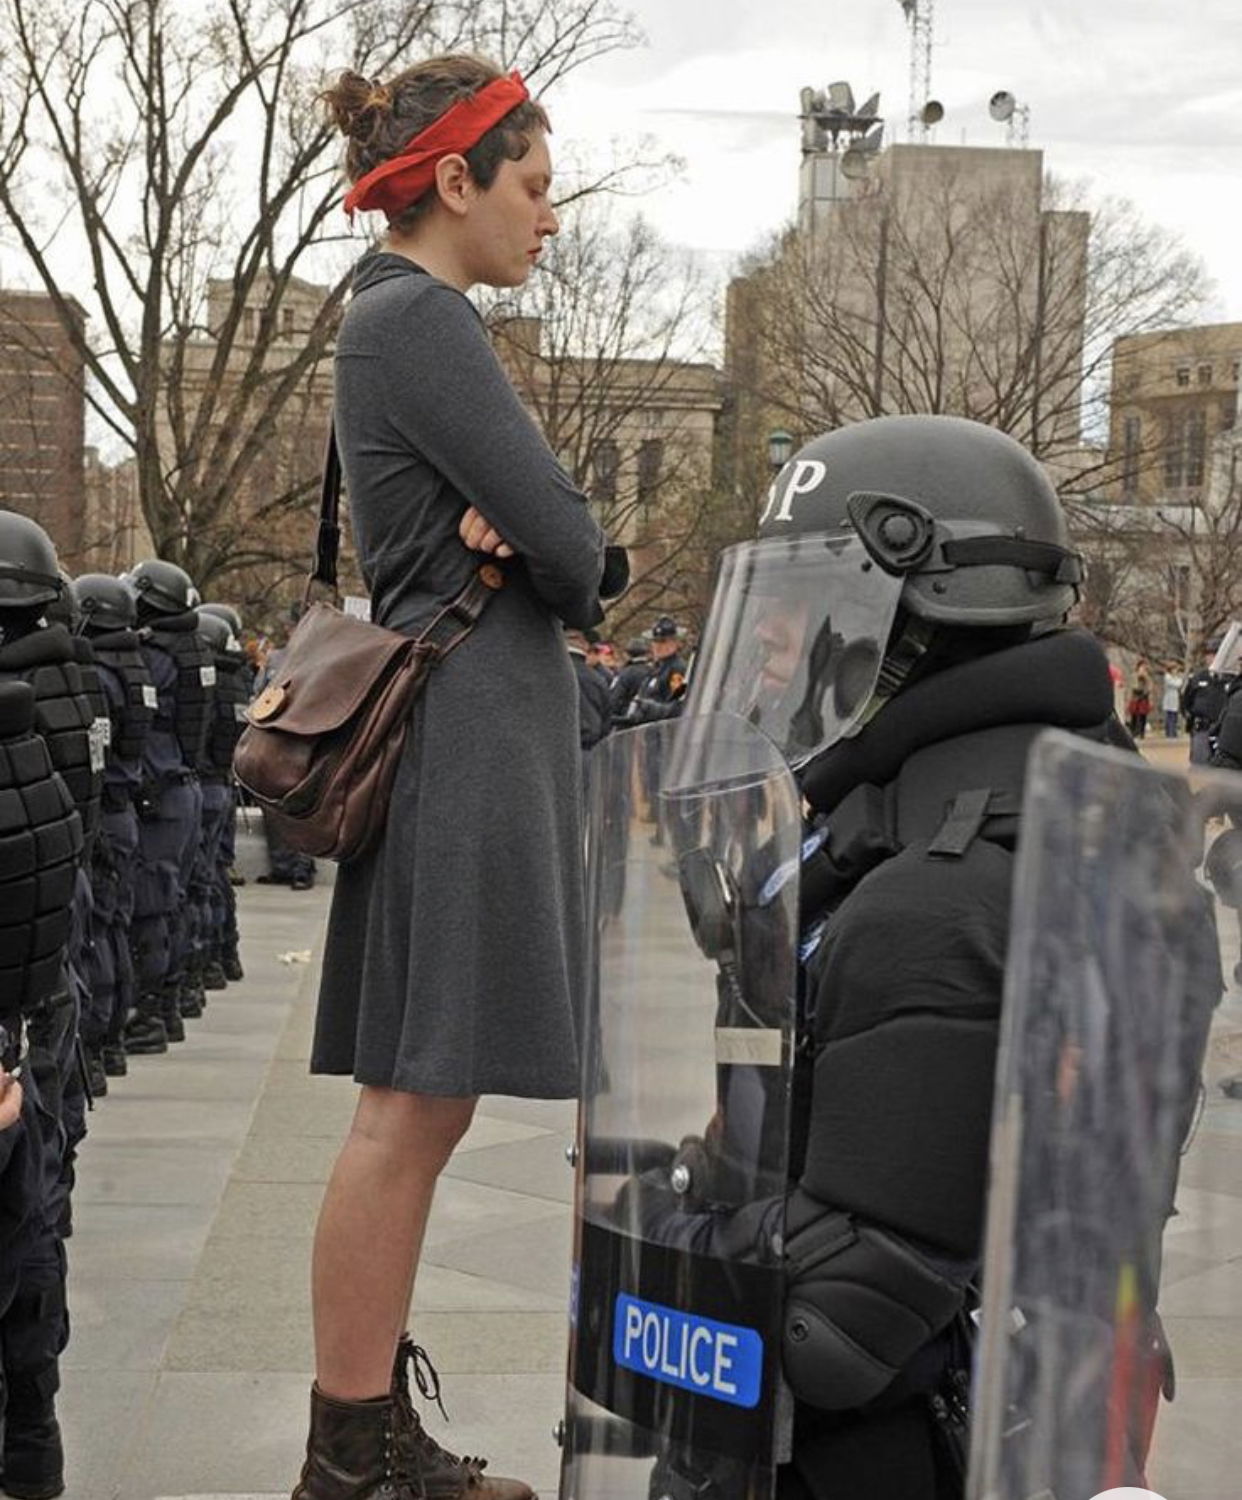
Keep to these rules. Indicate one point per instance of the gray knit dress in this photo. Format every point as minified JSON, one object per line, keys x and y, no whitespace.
{"x":454,"y":962}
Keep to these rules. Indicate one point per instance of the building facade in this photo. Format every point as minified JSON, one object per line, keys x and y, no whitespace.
{"x":43,"y":421}
{"x":1173,"y":394}
{"x":933,"y":279}
{"x":638,"y":437}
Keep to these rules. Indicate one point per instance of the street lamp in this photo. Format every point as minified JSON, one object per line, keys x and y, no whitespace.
{"x":780,"y":449}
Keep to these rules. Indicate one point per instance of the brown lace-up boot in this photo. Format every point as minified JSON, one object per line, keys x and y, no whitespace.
{"x":437,"y":1474}
{"x":379,"y":1449}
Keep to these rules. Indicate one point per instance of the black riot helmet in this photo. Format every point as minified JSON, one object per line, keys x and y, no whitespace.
{"x":162,"y":588}
{"x":225,"y":612}
{"x":875,"y":538}
{"x":29,"y":571}
{"x":106,"y":603}
{"x":216,"y":632}
{"x":64,"y":609}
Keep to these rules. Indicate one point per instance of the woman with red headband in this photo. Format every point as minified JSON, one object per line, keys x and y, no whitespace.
{"x":454,"y":958}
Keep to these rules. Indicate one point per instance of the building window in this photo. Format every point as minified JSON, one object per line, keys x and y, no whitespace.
{"x":1183,"y":374}
{"x":1175,"y":453}
{"x":248,"y":322}
{"x":1228,"y":414}
{"x":1133,"y":433}
{"x":1196,"y":447}
{"x":1205,"y":374}
{"x":605,"y":462}
{"x":650,"y":462}
{"x":286,"y":319}
{"x":1237,"y":368}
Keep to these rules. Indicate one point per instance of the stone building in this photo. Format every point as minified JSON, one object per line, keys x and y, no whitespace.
{"x":638,"y":436}
{"x":43,"y":420}
{"x":1173,"y":393}
{"x":930,"y":279}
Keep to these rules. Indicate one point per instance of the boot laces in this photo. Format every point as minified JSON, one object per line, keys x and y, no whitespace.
{"x":415,"y":1443}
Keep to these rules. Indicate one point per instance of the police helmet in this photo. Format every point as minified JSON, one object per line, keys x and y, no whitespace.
{"x":162,"y":588}
{"x":106,"y":603}
{"x":216,"y":632}
{"x":665,"y":629}
{"x":874,"y":538}
{"x":225,"y":612}
{"x":962,"y":513}
{"x":64,"y":610}
{"x":29,"y":571}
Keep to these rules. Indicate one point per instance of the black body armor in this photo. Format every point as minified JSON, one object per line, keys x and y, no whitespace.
{"x":234,"y":683}
{"x":119,"y":650}
{"x":63,"y":712}
{"x":40,"y":849}
{"x":196,"y":684}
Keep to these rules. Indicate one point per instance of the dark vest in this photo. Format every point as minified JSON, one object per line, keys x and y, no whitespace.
{"x":64,"y":714}
{"x":40,"y":850}
{"x":119,"y":650}
{"x":234,"y":681}
{"x":177,"y":635}
{"x":101,"y":724}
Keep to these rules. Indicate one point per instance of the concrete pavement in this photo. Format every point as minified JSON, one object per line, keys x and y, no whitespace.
{"x":190,"y":1361}
{"x":198,"y":1187}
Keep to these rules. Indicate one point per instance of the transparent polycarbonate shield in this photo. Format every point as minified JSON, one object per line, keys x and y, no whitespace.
{"x":674,"y":1363}
{"x":795,"y":638}
{"x":1110,"y":1345}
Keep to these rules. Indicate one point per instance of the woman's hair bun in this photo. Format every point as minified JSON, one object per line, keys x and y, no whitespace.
{"x":357,"y":105}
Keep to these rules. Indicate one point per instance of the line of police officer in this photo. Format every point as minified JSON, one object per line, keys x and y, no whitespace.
{"x":120,"y":702}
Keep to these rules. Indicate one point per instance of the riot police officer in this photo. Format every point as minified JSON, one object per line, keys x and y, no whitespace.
{"x":234,"y":689}
{"x":170,"y":811}
{"x":59,"y":791}
{"x":1203,"y":702}
{"x":217,"y":782}
{"x":109,"y":618}
{"x":897,"y":632}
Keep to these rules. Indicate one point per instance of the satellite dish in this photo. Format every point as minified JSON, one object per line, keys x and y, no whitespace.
{"x":807,"y":96}
{"x":1002,"y":105}
{"x":933,"y":112}
{"x":872,"y":141}
{"x":870,"y":110}
{"x":854,"y":163}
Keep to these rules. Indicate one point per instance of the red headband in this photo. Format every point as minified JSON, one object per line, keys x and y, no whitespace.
{"x":399,"y":182}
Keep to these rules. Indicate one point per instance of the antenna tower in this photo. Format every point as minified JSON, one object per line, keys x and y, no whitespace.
{"x":921,"y":16}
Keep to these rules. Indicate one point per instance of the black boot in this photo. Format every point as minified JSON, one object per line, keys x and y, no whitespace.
{"x":144,"y":1033}
{"x":114,"y":1060}
{"x":170,"y":1011}
{"x":96,"y":1074}
{"x":34,"y":1457}
{"x":214,"y":977}
{"x":231,"y":965}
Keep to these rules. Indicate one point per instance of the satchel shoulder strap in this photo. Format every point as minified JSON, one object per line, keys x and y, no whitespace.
{"x":458,"y":617}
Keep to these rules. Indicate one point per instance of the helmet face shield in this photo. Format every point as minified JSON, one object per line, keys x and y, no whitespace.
{"x":795,"y":638}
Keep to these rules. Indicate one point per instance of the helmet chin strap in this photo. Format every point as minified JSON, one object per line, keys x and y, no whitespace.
{"x":906,"y":649}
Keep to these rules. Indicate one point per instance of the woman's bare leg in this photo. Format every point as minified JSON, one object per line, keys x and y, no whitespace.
{"x":370,"y":1233}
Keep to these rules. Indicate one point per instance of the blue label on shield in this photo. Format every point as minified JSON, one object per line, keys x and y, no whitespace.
{"x":697,"y":1354}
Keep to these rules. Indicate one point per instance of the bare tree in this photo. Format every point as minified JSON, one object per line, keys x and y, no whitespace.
{"x":1163,"y":580}
{"x":607,"y":347}
{"x":172,"y":156}
{"x":943,"y":291}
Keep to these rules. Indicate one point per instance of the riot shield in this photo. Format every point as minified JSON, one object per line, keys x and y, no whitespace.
{"x":674,"y":1385}
{"x":1110,"y":1343}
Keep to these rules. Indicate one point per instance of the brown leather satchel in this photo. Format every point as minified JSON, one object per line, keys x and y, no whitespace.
{"x":323,"y":739}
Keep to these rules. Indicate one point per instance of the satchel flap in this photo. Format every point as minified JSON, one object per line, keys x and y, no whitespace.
{"x":330,"y":667}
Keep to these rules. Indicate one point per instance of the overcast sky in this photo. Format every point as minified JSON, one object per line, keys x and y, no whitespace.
{"x":1141,"y":97}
